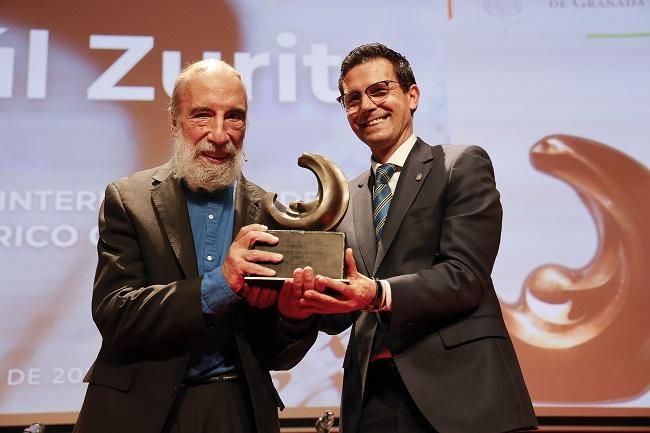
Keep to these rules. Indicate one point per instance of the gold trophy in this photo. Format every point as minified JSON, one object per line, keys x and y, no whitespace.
{"x":303,"y":228}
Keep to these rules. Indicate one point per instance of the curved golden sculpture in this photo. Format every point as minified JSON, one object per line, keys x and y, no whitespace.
{"x":573,"y":327}
{"x":322,"y":213}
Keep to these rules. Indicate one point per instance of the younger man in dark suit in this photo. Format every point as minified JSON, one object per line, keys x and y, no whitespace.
{"x":428,"y":351}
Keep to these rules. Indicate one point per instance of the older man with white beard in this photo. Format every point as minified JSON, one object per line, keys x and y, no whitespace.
{"x":187,"y":345}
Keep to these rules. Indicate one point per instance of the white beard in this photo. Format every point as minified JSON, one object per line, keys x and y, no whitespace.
{"x":200,"y":174}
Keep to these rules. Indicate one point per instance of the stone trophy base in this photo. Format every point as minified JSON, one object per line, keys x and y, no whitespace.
{"x":322,"y":251}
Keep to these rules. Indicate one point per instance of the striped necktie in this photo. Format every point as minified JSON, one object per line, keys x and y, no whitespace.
{"x":381,"y":195}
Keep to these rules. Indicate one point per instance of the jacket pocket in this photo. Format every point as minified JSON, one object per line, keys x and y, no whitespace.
{"x":472,"y":329}
{"x":119,"y":377}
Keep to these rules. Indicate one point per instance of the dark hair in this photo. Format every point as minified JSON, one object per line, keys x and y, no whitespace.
{"x":367,"y":52}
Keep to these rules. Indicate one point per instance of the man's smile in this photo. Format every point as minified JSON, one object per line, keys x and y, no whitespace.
{"x":216,"y":158}
{"x":374,"y":121}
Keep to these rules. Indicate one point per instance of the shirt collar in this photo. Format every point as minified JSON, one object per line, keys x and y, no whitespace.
{"x":203,"y":196}
{"x":398,"y":158}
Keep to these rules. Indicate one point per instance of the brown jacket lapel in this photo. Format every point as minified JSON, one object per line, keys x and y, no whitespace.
{"x":247,"y":204}
{"x":169,"y":200}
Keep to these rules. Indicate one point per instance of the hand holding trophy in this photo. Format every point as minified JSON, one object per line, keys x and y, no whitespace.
{"x":302,"y":227}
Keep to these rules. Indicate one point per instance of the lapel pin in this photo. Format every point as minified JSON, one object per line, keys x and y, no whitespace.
{"x":418,"y":177}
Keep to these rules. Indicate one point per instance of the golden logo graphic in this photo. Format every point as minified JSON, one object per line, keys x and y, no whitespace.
{"x":583,"y":334}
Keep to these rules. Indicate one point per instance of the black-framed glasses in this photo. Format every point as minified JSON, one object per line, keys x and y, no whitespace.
{"x":377,"y":93}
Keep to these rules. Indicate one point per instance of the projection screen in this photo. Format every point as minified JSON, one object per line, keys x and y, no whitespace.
{"x":557,"y":91}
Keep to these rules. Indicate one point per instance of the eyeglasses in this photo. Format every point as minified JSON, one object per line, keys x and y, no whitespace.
{"x":377,"y":93}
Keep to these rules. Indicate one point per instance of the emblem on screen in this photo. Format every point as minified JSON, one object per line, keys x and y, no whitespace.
{"x":579,"y":325}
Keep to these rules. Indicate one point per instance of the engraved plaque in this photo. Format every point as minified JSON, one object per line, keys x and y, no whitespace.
{"x":320,"y":250}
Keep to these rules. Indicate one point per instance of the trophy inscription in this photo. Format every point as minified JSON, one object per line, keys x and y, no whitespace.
{"x":320,"y":250}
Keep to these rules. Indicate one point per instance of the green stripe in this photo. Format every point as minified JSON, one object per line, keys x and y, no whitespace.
{"x":618,"y":35}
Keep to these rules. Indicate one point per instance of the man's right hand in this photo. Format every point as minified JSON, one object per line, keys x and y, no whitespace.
{"x":242,"y":260}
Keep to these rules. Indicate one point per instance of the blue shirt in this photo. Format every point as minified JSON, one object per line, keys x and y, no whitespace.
{"x":212,"y":219}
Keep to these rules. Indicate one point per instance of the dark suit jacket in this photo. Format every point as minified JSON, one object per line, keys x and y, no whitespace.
{"x":147,"y":306}
{"x":446,"y":331}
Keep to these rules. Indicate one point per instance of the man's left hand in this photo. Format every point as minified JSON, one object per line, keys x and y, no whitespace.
{"x":356,"y":295}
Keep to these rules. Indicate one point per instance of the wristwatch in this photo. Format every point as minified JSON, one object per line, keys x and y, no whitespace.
{"x":376,"y":303}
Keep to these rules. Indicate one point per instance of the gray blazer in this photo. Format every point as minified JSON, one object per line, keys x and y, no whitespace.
{"x":147,"y":307}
